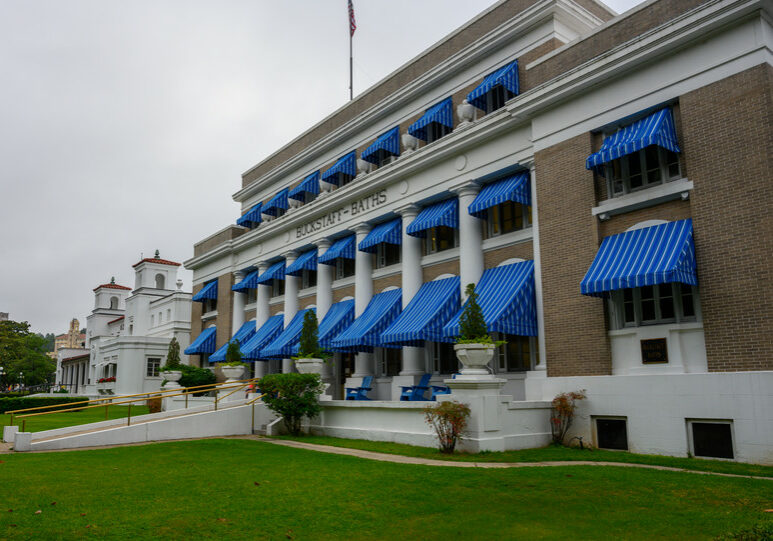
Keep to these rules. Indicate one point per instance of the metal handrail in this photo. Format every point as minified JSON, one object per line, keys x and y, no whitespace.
{"x":218,"y":398}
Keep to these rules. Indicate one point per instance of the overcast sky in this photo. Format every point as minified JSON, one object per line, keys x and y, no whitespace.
{"x":125,"y":126}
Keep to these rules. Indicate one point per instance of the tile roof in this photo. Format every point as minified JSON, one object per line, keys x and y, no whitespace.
{"x":112,"y":286}
{"x":82,"y":356}
{"x":157,"y":260}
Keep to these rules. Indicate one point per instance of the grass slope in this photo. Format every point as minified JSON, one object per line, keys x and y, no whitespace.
{"x":243,"y":489}
{"x":546,"y":454}
{"x":73,"y":418}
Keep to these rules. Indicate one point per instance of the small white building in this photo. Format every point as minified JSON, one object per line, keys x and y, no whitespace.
{"x":129,"y":331}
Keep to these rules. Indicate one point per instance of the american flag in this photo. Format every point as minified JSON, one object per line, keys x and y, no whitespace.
{"x":352,"y":24}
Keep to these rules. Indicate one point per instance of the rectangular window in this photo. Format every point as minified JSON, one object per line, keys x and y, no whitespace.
{"x":651,"y":166}
{"x":507,"y":217}
{"x":435,"y":131}
{"x":442,"y":358}
{"x":308,"y":278}
{"x":277,"y":287}
{"x":439,"y":239}
{"x":252,"y":296}
{"x":653,"y":305}
{"x":209,"y":305}
{"x":153,"y":364}
{"x":387,"y":255}
{"x":712,"y":439}
{"x":497,"y":97}
{"x":390,"y":361}
{"x":344,"y":179}
{"x":516,"y":354}
{"x":344,"y":268}
{"x":612,"y":434}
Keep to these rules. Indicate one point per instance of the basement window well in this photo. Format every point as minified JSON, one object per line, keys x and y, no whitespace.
{"x":711,"y":439}
{"x":612,"y":433}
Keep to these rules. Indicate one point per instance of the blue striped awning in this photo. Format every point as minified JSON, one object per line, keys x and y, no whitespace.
{"x":443,"y":213}
{"x":262,"y":337}
{"x":390,"y":232}
{"x":655,"y":129}
{"x":338,"y":317}
{"x":250,"y":282}
{"x":282,"y":346}
{"x":305,"y":261}
{"x":344,"y":247}
{"x":279,"y":201}
{"x":274,"y":272}
{"x":209,"y":291}
{"x":365,"y":332}
{"x":660,"y":254}
{"x":440,"y":113}
{"x":506,"y":76}
{"x":430,"y":309}
{"x":252,"y":217}
{"x":506,"y":298}
{"x":514,"y":188}
{"x":387,"y":142}
{"x":346,"y":165}
{"x":241,"y":336}
{"x":309,"y":185}
{"x":204,"y":343}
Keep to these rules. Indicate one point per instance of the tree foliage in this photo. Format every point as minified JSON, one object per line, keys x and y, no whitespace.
{"x":472,"y":326}
{"x":562,"y":413}
{"x":173,"y":357}
{"x":448,"y":419}
{"x":233,"y":355}
{"x":292,"y":397}
{"x":22,"y":351}
{"x":193,"y":376}
{"x":308,"y":347}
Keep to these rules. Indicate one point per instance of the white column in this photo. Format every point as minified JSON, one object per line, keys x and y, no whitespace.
{"x":237,"y":319}
{"x":291,"y":302}
{"x":537,"y":274}
{"x":412,"y":279}
{"x":363,"y":292}
{"x":470,"y":239}
{"x":262,"y":313}
{"x":324,"y":281}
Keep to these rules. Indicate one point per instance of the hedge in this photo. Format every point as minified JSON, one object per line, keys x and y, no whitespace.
{"x":19,"y":403}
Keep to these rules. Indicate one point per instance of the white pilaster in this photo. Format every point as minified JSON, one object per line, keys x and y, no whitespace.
{"x":542,"y":366}
{"x":262,"y":310}
{"x":324,"y":281}
{"x":470,"y":238}
{"x":291,"y":301}
{"x":240,"y":300}
{"x":413,"y":357}
{"x":363,"y":292}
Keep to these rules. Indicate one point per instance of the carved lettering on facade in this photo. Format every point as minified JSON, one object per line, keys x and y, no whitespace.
{"x":337,"y":216}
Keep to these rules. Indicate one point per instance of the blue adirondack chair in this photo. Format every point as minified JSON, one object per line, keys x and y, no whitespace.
{"x":360,"y":393}
{"x":416,"y":392}
{"x":441,"y":389}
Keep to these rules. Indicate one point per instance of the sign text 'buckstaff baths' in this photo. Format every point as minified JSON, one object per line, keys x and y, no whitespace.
{"x":339,"y":215}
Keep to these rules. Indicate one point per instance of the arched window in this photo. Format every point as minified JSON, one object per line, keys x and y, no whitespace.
{"x":160,"y":281}
{"x":114,"y":303}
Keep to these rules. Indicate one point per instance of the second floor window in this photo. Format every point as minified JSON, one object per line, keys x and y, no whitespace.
{"x":442,"y":358}
{"x":344,"y":268}
{"x":209,"y":305}
{"x":277,"y":288}
{"x":308,"y":278}
{"x":497,"y":97}
{"x":440,"y":238}
{"x":506,"y":218}
{"x":252,"y":296}
{"x":387,"y":255}
{"x":654,"y":305}
{"x":651,"y":166}
{"x":153,"y":365}
{"x":435,"y":131}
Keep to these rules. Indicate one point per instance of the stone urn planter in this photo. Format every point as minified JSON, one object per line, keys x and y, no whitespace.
{"x":232,"y":373}
{"x":172,"y":377}
{"x":474,"y":358}
{"x":309,"y":366}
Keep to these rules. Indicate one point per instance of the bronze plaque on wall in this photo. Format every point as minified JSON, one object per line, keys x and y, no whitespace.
{"x":654,"y":351}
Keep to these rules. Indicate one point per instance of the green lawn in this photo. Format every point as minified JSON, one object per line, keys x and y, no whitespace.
{"x":73,"y":418}
{"x":545,"y":454}
{"x":246,"y":489}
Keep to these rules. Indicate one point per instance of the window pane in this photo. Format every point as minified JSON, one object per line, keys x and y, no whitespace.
{"x":634,"y":170}
{"x":509,"y":218}
{"x":628,"y":308}
{"x":448,"y":362}
{"x":394,"y":360}
{"x":647,"y":303}
{"x":391,"y":254}
{"x":518,"y":353}
{"x":666,"y":301}
{"x":688,"y":306}
{"x":493,"y":217}
{"x":652,"y":159}
{"x":445,"y":238}
{"x":672,"y":160}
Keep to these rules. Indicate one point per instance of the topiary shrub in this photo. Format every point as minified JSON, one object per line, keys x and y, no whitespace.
{"x":233,"y":355}
{"x":472,"y":326}
{"x":448,"y":420}
{"x":308,"y":348}
{"x":173,"y":362}
{"x":292,"y":396}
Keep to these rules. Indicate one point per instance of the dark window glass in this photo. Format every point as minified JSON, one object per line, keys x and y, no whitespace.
{"x":672,"y":161}
{"x":394,"y":360}
{"x":630,"y":314}
{"x":344,"y":267}
{"x":277,"y":288}
{"x":344,"y":179}
{"x":387,"y":254}
{"x":688,"y":306}
{"x":615,"y":172}
{"x":447,"y":362}
{"x":647,"y":303}
{"x":494,"y":217}
{"x":309,"y":278}
{"x":518,"y":353}
{"x":252,"y":296}
{"x":634,"y":170}
{"x":438,"y":239}
{"x":496,"y":97}
{"x":210,"y":305}
{"x":652,"y":159}
{"x":435,"y":131}
{"x":612,"y":434}
{"x":666,"y":301}
{"x":712,"y":440}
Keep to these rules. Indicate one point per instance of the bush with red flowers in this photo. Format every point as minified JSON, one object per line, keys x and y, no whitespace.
{"x":106,"y":380}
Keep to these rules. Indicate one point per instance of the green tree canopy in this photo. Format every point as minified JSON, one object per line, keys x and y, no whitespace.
{"x":22,"y":351}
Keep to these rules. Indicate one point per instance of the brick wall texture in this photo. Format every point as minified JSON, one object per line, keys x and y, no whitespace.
{"x":195,"y":323}
{"x":224,"y":308}
{"x":522,"y":250}
{"x":728,"y":145}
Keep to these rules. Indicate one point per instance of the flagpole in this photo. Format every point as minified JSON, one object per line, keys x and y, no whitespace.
{"x":351,"y":90}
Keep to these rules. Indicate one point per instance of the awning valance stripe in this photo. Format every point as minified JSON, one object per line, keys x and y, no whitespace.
{"x":252,"y":217}
{"x":346,"y":165}
{"x":659,"y":254}
{"x":444,"y":213}
{"x":344,"y":247}
{"x":262,"y":337}
{"x":309,"y":185}
{"x":365,"y":332}
{"x":241,"y":336}
{"x":506,"y":298}
{"x":430,"y":309}
{"x":274,"y":272}
{"x":390,"y":232}
{"x":305,"y":261}
{"x":279,"y":201}
{"x":514,"y":188}
{"x":655,"y":129}
{"x":338,"y":317}
{"x":506,"y":76}
{"x":209,"y":291}
{"x":282,"y":346}
{"x":440,"y":113}
{"x":250,"y":282}
{"x":204,"y":343}
{"x":388,"y":142}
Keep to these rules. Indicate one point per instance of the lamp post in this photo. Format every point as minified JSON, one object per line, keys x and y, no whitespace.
{"x":21,"y":380}
{"x":2,"y":373}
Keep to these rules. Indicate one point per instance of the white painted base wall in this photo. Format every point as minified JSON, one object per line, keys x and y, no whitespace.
{"x":657,"y":408}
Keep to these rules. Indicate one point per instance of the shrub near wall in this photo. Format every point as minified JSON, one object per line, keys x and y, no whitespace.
{"x":19,"y":403}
